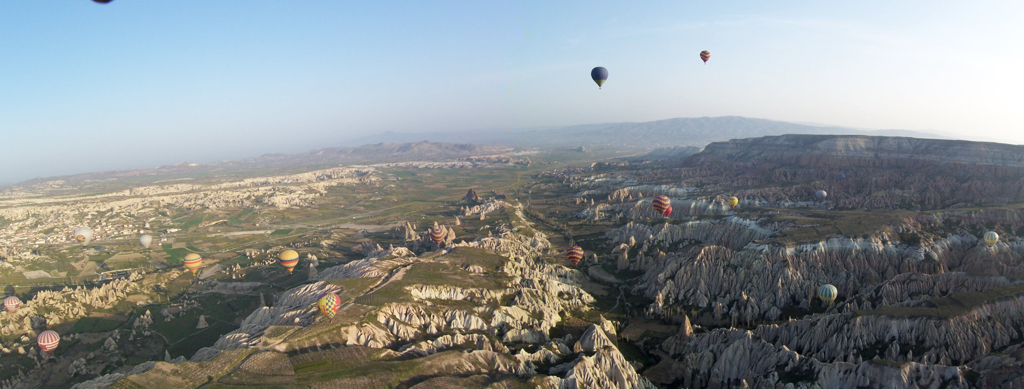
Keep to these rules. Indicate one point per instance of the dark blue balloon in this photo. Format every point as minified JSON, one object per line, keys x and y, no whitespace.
{"x":599,"y":75}
{"x":841,"y":176}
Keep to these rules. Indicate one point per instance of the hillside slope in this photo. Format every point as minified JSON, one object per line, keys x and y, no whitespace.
{"x":865,"y":150}
{"x":681,"y":132}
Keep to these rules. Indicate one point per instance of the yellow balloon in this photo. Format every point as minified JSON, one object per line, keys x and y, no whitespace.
{"x":733,"y":201}
{"x":193,"y":262}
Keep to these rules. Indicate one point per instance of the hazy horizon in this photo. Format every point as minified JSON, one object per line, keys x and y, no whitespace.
{"x":128,"y":85}
{"x":355,"y":142}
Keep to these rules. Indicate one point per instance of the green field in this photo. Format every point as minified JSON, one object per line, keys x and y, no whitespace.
{"x":221,"y":314}
{"x":94,"y":324}
{"x":958,"y":303}
{"x":175,"y":256}
{"x":191,"y":223}
{"x":237,"y":218}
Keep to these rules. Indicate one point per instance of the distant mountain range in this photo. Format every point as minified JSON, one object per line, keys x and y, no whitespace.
{"x":380,"y":152}
{"x":267,"y":163}
{"x":859,"y":150}
{"x":504,"y":137}
{"x":686,"y":132}
{"x":677,"y":137}
{"x":696,"y":132}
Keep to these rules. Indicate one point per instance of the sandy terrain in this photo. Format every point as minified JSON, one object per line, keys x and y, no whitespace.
{"x":36,"y":274}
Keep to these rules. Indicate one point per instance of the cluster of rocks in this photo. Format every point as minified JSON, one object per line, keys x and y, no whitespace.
{"x":535,"y":296}
{"x":143,"y":321}
{"x":178,"y":308}
{"x":721,"y":273}
{"x":483,"y":209}
{"x":50,"y":308}
{"x":227,"y":288}
{"x":837,"y":350}
{"x":471,"y":197}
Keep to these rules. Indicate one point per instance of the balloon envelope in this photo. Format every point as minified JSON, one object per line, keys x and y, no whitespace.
{"x":11,"y":303}
{"x":574,"y":254}
{"x":733,"y":201}
{"x":706,"y":55}
{"x":288,"y":259}
{"x":48,"y":341}
{"x":841,"y":176}
{"x":600,"y":75}
{"x":146,"y":240}
{"x":83,"y":235}
{"x":329,"y":304}
{"x":821,"y":195}
{"x":437,"y":236}
{"x":193,"y":262}
{"x":991,"y":238}
{"x":827,"y":293}
{"x":662,"y":205}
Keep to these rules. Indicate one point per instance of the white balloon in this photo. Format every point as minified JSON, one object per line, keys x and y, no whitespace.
{"x":83,"y":235}
{"x":145,"y":240}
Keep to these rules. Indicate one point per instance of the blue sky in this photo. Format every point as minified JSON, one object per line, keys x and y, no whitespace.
{"x":138,"y":84}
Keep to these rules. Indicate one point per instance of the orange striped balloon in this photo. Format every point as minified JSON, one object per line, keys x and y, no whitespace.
{"x":574,"y":254}
{"x":662,"y":204}
{"x":48,"y":341}
{"x":193,"y":262}
{"x":705,"y":55}
{"x":437,"y":236}
{"x":329,"y":304}
{"x":288,"y":259}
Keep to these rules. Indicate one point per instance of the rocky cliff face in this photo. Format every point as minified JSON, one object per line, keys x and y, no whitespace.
{"x":922,"y":301}
{"x":854,"y":150}
{"x":881,"y":172}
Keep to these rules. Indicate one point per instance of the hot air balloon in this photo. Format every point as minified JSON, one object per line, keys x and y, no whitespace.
{"x":146,"y":240}
{"x":193,"y":262}
{"x":841,"y":176}
{"x":575,"y":254}
{"x":827,"y":293}
{"x":733,"y":201}
{"x":600,"y":75}
{"x":662,"y":204}
{"x":821,"y":195}
{"x":437,"y":236}
{"x":83,"y":235}
{"x":329,"y":304}
{"x":48,"y":341}
{"x":11,"y":303}
{"x":991,"y":238}
{"x":102,"y":1}
{"x":705,"y":55}
{"x":288,"y":259}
